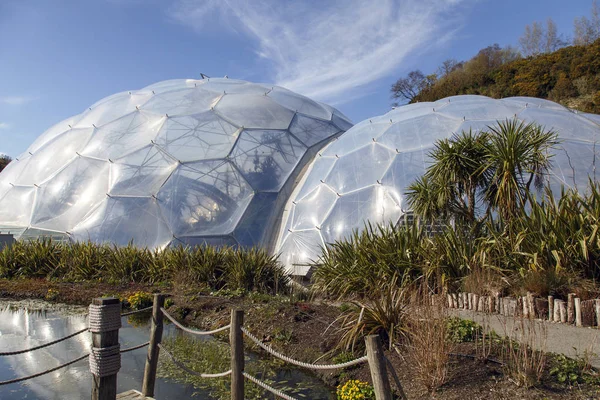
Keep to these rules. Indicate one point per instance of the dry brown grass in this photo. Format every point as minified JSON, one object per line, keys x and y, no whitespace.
{"x":428,"y":346}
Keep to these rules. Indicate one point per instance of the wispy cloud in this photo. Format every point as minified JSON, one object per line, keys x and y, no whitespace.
{"x":17,"y":100}
{"x":4,"y":125}
{"x":330,"y":50}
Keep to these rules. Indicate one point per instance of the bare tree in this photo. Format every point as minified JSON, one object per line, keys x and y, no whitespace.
{"x":552,"y":41}
{"x":587,"y":30}
{"x":408,"y":88}
{"x":532,"y":39}
{"x":448,"y":66}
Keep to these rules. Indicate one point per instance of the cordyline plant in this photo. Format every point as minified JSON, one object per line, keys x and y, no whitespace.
{"x":492,"y":170}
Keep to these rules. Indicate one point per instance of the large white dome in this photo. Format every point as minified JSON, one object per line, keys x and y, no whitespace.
{"x":364,"y":174}
{"x":180,"y":161}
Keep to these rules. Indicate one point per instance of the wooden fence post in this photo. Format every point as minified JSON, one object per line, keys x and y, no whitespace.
{"x":104,"y":387}
{"x":578,"y":318}
{"x":237,"y":355}
{"x":156,"y":331}
{"x":571,"y":308}
{"x":550,"y":308}
{"x":381,"y":383}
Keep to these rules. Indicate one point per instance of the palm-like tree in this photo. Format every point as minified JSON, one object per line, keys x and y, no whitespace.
{"x":451,"y":184}
{"x":497,"y":167}
{"x":518,"y":157}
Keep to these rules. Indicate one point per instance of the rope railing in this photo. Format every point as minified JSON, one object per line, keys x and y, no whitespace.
{"x":271,"y":389}
{"x":193,"y":331}
{"x":191,"y":371}
{"x":136,"y":311}
{"x":44,"y":372}
{"x":139,"y":346}
{"x":13,"y":353}
{"x":283,"y":357}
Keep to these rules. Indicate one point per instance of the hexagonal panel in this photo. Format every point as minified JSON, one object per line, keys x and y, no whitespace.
{"x":256,"y":112}
{"x":197,"y":137}
{"x":52,"y":157}
{"x":141,"y":173}
{"x":124,"y":220}
{"x":124,"y":135}
{"x":266,"y":158}
{"x":66,"y":198}
{"x":204,"y":198}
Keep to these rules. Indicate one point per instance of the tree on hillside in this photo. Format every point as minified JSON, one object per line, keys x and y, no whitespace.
{"x":532,"y":40}
{"x":586,"y":30}
{"x":448,"y":66}
{"x":409,"y":87}
{"x":4,"y":161}
{"x":552,"y":41}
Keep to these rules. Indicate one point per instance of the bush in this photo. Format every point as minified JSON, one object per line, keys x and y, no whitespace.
{"x":462,"y":330}
{"x":217,"y":268}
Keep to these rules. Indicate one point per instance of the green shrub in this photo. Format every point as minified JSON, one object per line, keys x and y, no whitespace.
{"x":226,"y":268}
{"x":462,"y":330}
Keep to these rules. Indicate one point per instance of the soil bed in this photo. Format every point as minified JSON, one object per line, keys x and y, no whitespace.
{"x":304,"y":330}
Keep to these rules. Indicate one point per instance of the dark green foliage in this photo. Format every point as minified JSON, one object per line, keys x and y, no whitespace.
{"x":358,"y":265}
{"x":569,"y":73}
{"x":462,"y":330}
{"x":4,"y":161}
{"x":217,"y":268}
{"x":573,"y":371}
{"x":553,"y":247}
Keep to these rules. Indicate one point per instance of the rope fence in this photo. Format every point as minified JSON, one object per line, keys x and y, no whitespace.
{"x":136,"y":311}
{"x":274,"y":353}
{"x":135,"y":348}
{"x":271,"y":389}
{"x":193,"y":331}
{"x":44,"y":372}
{"x":191,"y":371}
{"x":13,"y":353}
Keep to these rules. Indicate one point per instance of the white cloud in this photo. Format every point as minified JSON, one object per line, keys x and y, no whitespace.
{"x":330,"y":50}
{"x":4,"y":125}
{"x":17,"y":100}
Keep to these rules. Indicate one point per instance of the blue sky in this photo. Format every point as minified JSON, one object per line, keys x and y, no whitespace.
{"x":58,"y":57}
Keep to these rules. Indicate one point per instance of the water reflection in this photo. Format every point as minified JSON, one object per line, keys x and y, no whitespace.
{"x":22,"y":327}
{"x":30,"y":323}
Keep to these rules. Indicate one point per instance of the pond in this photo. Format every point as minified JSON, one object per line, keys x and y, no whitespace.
{"x":25,"y":324}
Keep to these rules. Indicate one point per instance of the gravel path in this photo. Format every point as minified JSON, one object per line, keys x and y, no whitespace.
{"x":561,"y":338}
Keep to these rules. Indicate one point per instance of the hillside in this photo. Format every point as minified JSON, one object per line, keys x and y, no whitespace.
{"x":570,"y":76}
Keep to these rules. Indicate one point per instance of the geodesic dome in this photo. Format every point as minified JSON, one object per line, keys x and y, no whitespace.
{"x":363,"y":175}
{"x":180,"y":161}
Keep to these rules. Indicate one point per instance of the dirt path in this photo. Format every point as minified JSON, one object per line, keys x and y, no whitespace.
{"x":561,"y":338}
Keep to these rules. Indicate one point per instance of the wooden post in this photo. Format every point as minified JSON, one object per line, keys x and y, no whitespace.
{"x":525,"y":307}
{"x":563,"y":311}
{"x":381,"y":383}
{"x":557,"y":310}
{"x":550,"y":308}
{"x":481,"y":306}
{"x":237,"y":355}
{"x":577,"y":302}
{"x":105,"y":387}
{"x":531,"y":305}
{"x":570,"y":308}
{"x":156,"y":331}
{"x":597,"y":307}
{"x":498,"y":301}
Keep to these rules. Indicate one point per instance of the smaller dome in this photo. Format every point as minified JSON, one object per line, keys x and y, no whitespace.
{"x":364,"y":174}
